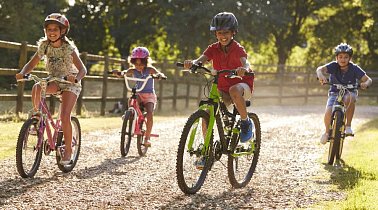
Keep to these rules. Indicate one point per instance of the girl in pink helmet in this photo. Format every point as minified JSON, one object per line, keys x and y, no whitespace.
{"x":140,"y":67}
{"x":62,"y":60}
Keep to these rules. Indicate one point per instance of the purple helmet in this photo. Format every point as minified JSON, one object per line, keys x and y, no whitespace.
{"x":140,"y":52}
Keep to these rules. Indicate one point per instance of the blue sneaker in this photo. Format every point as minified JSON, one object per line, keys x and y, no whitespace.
{"x":245,"y":130}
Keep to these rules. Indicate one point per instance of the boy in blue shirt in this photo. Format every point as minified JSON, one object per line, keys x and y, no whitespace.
{"x":342,"y":71}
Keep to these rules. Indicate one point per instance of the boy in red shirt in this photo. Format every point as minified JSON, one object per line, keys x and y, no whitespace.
{"x":229,"y":54}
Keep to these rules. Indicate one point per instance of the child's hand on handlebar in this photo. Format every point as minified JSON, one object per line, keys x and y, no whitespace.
{"x":240,"y":71}
{"x":364,"y":85}
{"x":19,"y":76}
{"x":188,"y":64}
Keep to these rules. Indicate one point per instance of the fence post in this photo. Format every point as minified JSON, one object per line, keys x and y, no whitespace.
{"x":307,"y":86}
{"x":21,"y":85}
{"x":281,"y":74}
{"x":104,"y":85}
{"x":175,"y":86}
{"x":79,"y":102}
{"x":160,"y":101}
{"x":187,"y":94}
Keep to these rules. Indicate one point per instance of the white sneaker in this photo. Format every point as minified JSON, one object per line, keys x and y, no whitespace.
{"x":348,"y":130}
{"x":324,"y":138}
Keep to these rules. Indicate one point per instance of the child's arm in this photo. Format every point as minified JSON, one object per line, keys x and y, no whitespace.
{"x":366,"y":81}
{"x":29,"y":66}
{"x":321,"y":71}
{"x":153,"y":70}
{"x":189,"y":63}
{"x":246,"y":67}
{"x":80,"y":66}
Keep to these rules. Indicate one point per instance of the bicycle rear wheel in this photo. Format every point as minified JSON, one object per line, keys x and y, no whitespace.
{"x":76,"y":145}
{"x":242,"y":166}
{"x":334,"y":144}
{"x":142,"y":150}
{"x":126,"y":133}
{"x":28,"y":149}
{"x":189,"y":178}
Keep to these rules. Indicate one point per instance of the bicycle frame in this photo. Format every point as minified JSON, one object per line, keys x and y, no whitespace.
{"x":46,"y":119}
{"x":214,"y":107}
{"x":134,"y":105}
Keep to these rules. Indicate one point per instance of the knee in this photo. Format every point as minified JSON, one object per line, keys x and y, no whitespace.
{"x":234,"y":91}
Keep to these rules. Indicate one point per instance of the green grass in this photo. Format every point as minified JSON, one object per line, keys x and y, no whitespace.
{"x":358,"y":177}
{"x":9,"y":131}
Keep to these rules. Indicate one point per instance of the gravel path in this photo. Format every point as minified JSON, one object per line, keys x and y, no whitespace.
{"x":291,"y":171}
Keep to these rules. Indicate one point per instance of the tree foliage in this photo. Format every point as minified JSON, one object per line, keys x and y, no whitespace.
{"x":274,"y":30}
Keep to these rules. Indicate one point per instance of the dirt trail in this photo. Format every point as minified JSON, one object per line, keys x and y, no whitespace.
{"x":290,"y":173}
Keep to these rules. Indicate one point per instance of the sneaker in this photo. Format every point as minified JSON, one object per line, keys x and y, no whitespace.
{"x":200,"y":163}
{"x":348,"y":130}
{"x":65,"y":162}
{"x":324,"y":138}
{"x":147,"y":143}
{"x":245,"y":130}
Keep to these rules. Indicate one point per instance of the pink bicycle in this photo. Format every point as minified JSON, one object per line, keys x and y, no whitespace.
{"x":134,"y":118}
{"x":31,"y":140}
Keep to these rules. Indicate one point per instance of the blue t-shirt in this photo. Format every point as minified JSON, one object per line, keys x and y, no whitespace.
{"x":351,"y":76}
{"x":149,"y":88}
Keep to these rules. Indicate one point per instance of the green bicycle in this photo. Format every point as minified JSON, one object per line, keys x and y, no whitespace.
{"x":197,"y":140}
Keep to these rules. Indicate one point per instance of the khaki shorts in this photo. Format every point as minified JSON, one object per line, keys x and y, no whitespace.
{"x":247,"y":94}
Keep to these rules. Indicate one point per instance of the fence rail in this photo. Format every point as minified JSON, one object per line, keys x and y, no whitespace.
{"x":289,"y":82}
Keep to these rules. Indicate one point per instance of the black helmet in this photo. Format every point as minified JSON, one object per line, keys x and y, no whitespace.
{"x":224,"y":21}
{"x":344,"y":48}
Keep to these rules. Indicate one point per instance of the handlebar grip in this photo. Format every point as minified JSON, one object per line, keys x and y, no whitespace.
{"x":179,"y":64}
{"x":249,"y":73}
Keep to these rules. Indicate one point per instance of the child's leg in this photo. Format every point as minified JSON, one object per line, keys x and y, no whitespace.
{"x":327,"y":118}
{"x":150,"y":110}
{"x":236,"y":93}
{"x":68,"y":102}
{"x":350,"y":103}
{"x":36,"y":93}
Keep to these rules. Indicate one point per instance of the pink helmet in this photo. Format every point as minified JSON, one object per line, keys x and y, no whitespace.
{"x":59,"y":19}
{"x":140,"y":52}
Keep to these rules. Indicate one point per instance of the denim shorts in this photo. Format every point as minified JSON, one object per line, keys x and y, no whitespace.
{"x":332,"y":96}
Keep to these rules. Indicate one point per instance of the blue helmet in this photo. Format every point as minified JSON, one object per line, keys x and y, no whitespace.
{"x":344,"y":48}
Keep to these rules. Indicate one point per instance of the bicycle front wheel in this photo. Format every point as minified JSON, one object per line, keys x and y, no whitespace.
{"x":76,"y":145}
{"x":190,"y":178}
{"x":28,"y":149}
{"x":334,"y":144}
{"x":126,"y":133}
{"x":242,"y":165}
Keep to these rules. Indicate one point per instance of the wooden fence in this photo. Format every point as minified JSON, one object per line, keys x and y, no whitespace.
{"x":286,"y":83}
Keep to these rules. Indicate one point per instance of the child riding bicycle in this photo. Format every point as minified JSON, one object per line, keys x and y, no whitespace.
{"x":227,"y":53}
{"x":62,"y":61}
{"x":342,"y":71}
{"x":140,"y":62}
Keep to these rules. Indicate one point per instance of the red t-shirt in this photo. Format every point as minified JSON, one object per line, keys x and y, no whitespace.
{"x":230,"y":60}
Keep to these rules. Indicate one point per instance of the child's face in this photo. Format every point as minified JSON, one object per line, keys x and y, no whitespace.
{"x":139,"y":65}
{"x":53,"y":31}
{"x":343,"y":59}
{"x":224,"y":36}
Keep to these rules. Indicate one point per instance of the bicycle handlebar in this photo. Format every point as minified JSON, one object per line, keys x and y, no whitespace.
{"x":29,"y":77}
{"x":123,"y":73}
{"x":232,"y":72}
